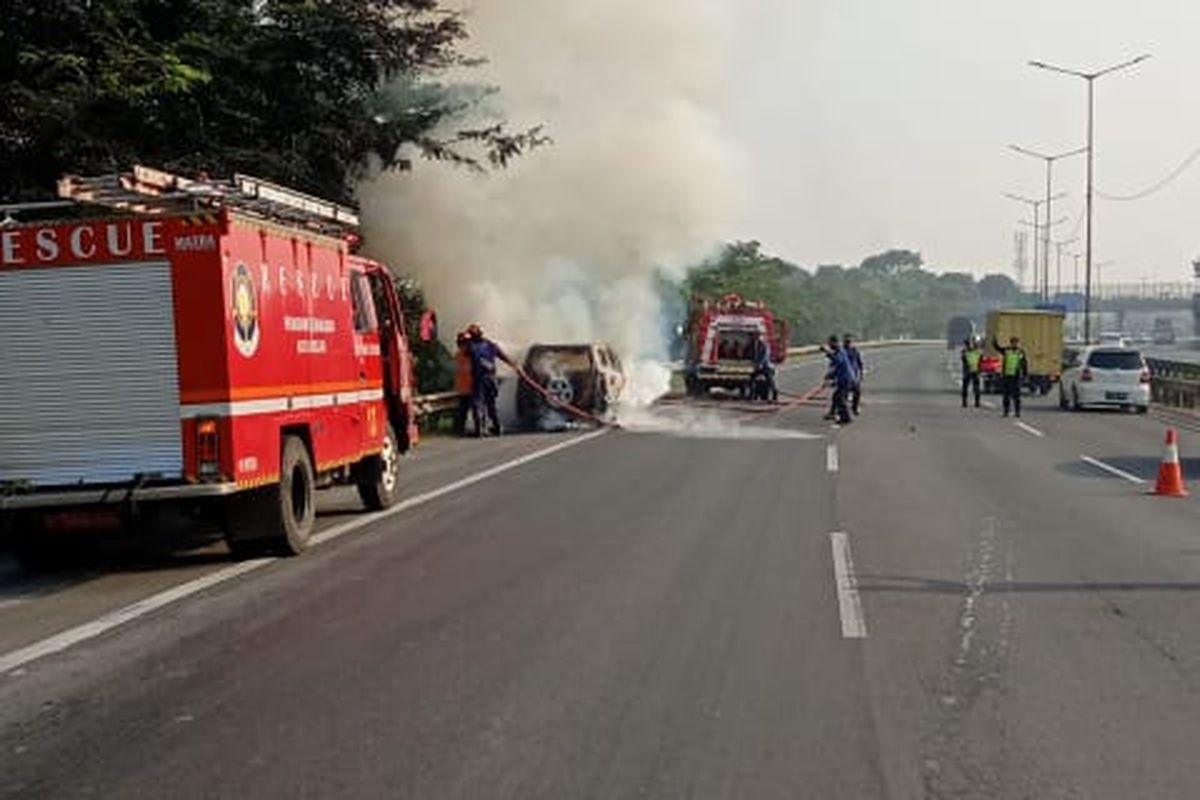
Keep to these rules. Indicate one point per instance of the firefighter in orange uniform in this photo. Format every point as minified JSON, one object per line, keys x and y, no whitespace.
{"x":464,"y":384}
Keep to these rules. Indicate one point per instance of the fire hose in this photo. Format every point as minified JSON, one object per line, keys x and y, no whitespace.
{"x":558,"y":402}
{"x":553,"y":400}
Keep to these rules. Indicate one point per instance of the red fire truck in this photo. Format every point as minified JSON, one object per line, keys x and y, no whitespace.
{"x":215,"y":343}
{"x":720,"y":338}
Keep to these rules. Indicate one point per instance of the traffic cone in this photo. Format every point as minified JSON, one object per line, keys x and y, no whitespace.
{"x":1170,"y":476}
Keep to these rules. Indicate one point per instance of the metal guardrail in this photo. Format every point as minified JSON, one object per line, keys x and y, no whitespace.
{"x":1175,"y":384}
{"x":872,"y":345}
{"x":428,"y":404}
{"x":434,"y":410}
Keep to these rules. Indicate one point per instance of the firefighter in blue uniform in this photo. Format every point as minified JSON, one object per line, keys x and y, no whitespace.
{"x":484,"y":386}
{"x":856,"y":363}
{"x":760,"y":351}
{"x":841,"y":375}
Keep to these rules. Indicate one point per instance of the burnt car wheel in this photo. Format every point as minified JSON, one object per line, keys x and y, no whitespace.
{"x":560,"y":389}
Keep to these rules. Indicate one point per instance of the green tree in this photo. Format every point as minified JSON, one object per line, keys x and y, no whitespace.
{"x":893,"y":262}
{"x":307,"y":93}
{"x":890,"y":295}
{"x":998,"y":289}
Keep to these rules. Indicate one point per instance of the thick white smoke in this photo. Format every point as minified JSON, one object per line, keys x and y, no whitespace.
{"x":565,"y":245}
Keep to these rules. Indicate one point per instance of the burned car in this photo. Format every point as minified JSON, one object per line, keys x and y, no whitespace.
{"x":587,"y":377}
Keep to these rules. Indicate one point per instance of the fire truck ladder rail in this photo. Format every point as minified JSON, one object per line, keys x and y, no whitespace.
{"x":152,"y":191}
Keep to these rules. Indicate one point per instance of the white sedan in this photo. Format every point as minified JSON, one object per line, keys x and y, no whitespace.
{"x":1106,"y":376}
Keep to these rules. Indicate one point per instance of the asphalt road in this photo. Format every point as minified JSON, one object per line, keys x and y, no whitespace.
{"x":928,"y":603}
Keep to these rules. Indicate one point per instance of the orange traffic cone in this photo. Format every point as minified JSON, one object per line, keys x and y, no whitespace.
{"x":1170,"y":476}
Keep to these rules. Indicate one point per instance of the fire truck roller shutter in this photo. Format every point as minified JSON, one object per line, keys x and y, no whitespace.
{"x":89,"y":387}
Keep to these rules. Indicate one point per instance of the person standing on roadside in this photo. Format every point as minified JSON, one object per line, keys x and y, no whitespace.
{"x":856,"y":363}
{"x":484,"y":354}
{"x":971,"y":358}
{"x":1013,"y":369}
{"x":841,"y":376}
{"x":464,"y":386}
{"x":763,"y":369}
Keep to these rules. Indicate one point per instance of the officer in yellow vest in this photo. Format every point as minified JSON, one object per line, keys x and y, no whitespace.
{"x":971,"y":356}
{"x":1013,"y":368}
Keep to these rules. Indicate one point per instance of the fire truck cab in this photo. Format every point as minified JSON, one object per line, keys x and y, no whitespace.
{"x":214,"y":343}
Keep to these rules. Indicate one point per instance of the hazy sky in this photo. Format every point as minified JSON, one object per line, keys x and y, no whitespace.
{"x":878,"y":123}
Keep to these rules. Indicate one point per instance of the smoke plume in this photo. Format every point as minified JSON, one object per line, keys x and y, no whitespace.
{"x":565,"y":244}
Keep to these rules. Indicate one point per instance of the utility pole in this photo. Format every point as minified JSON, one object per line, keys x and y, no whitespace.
{"x":1090,"y":77}
{"x":1049,"y":159}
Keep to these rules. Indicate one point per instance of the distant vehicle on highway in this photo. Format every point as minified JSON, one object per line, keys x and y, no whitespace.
{"x":1106,"y":376}
{"x":1041,"y":335}
{"x":587,"y":377}
{"x":1114,"y":339}
{"x":958,"y":329}
{"x":1164,"y":330}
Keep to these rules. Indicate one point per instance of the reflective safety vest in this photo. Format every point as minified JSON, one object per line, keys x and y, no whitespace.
{"x":1012,"y":362}
{"x":973,"y":357}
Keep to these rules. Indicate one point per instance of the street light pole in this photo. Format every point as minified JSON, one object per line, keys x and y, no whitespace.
{"x":1036,"y":205}
{"x":1049,"y":159}
{"x":1058,"y":266}
{"x":1099,"y":266}
{"x":1090,"y":77}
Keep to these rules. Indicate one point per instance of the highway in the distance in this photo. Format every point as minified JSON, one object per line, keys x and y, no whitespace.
{"x":929,"y":603}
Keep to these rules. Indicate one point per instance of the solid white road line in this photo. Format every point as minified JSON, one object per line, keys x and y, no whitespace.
{"x":831,"y":457}
{"x":854,"y":625}
{"x":988,"y":404}
{"x":90,"y":630}
{"x":1120,"y":473}
{"x":114,"y":619}
{"x":366,"y":519}
{"x":1029,"y":429}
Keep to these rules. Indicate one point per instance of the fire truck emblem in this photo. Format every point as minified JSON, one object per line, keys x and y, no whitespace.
{"x":245,"y":312}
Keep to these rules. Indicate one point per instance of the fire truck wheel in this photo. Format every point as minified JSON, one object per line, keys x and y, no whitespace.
{"x":378,"y":477}
{"x":278,"y":519}
{"x":297,"y":497}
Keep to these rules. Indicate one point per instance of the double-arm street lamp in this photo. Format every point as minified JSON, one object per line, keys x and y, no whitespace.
{"x":1036,"y":205}
{"x":1049,"y":159}
{"x":1058,"y":267}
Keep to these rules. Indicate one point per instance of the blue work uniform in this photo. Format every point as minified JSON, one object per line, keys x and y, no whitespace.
{"x":841,"y":372}
{"x":856,"y":363}
{"x":485,"y":389}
